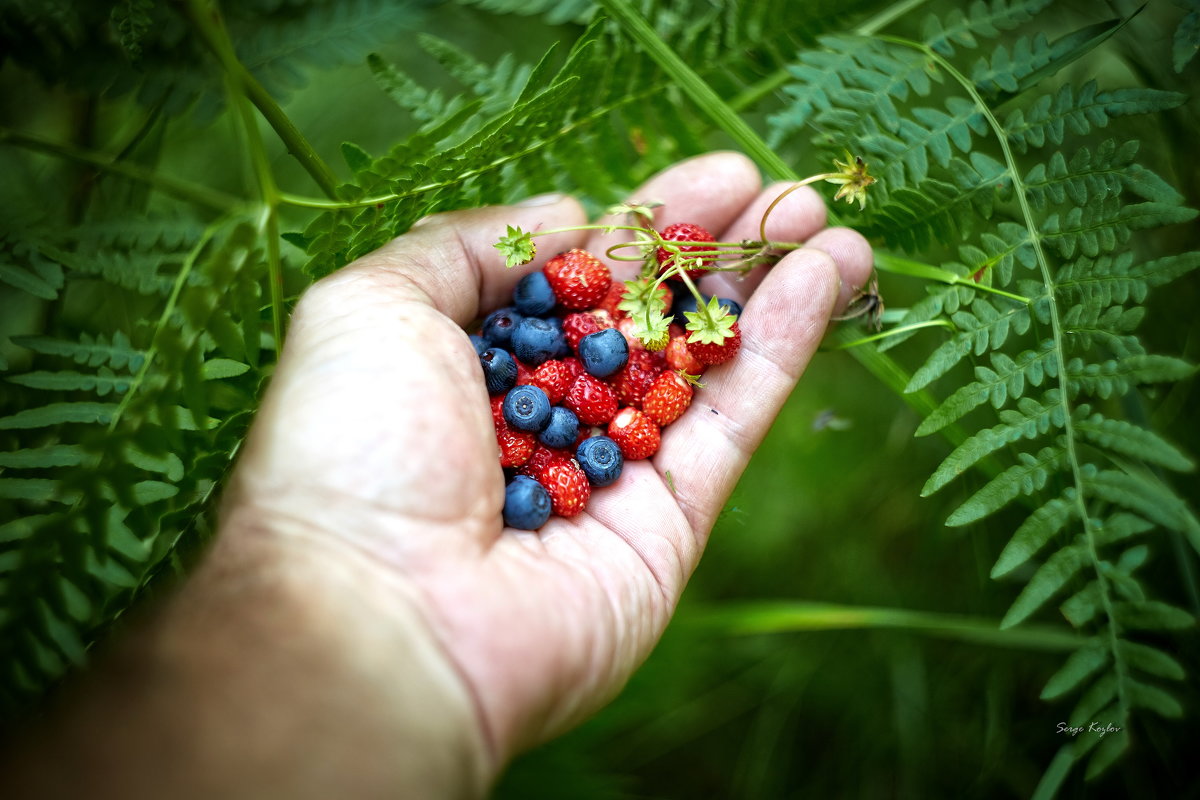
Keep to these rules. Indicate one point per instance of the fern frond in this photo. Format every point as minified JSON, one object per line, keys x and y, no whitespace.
{"x":1079,"y":111}
{"x":943,"y":31}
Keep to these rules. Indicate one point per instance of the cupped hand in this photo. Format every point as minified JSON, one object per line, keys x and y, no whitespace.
{"x":375,"y":446}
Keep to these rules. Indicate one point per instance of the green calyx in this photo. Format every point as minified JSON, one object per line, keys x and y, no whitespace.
{"x":711,"y":323}
{"x":517,"y":246}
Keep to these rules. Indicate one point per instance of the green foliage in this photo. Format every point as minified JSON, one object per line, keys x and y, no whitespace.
{"x":130,"y":382}
{"x":1069,"y":247}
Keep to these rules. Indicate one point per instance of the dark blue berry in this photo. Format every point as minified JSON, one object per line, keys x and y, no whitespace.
{"x":526,"y":504}
{"x":603,"y":353}
{"x":536,"y":341}
{"x":499,"y":370}
{"x":685,"y":302}
{"x":480,"y":343}
{"x":533,"y":295}
{"x":600,"y":459}
{"x":562,"y":429}
{"x":564,"y":347}
{"x":526,"y":408}
{"x":499,"y":325}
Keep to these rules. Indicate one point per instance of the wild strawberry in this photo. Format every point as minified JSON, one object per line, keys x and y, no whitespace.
{"x":515,"y":446}
{"x":541,"y":458}
{"x":610,"y":301}
{"x":568,"y":487}
{"x":636,"y":434}
{"x":585,"y":433}
{"x":574,"y":369}
{"x":553,"y":378}
{"x":631,"y":383}
{"x":497,"y":401}
{"x":717,"y":353}
{"x":580,"y":324}
{"x":592,"y":400}
{"x":686,"y":232}
{"x":677,"y":354}
{"x":524,"y":373}
{"x":668,"y":397}
{"x":628,"y":329}
{"x":578,"y":278}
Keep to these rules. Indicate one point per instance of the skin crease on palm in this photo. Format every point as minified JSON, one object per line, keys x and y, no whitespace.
{"x":376,"y":438}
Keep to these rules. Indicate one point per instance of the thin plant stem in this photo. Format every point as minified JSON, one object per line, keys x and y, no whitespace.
{"x":181,"y":189}
{"x":209,"y":24}
{"x":933,"y":323}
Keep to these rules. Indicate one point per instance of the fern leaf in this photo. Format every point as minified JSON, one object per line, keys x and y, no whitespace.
{"x":1005,"y":379}
{"x":54,"y":455}
{"x":1151,"y":697}
{"x":943,"y":31}
{"x":1031,"y":419}
{"x":1153,"y":615}
{"x":103,"y":382}
{"x":981,"y":329}
{"x":1153,"y":501}
{"x":1049,"y":118}
{"x":1023,"y":478}
{"x":1116,"y":376}
{"x":1079,"y":666}
{"x":1050,"y":577}
{"x":1187,"y":39}
{"x":1038,"y":528}
{"x":94,"y":351}
{"x":1101,"y":227}
{"x":58,"y":414}
{"x":1083,"y":606}
{"x":1150,"y":660}
{"x":1124,"y":437}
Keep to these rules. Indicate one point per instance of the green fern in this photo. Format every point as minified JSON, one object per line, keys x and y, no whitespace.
{"x":1073,"y":225}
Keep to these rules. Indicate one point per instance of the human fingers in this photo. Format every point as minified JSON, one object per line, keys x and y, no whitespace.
{"x":448,"y":260}
{"x":707,"y":449}
{"x":709,"y":190}
{"x":798,"y":216}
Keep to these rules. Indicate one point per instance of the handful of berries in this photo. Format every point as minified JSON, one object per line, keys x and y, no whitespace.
{"x":584,"y":372}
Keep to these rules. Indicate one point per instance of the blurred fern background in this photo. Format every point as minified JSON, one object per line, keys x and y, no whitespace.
{"x":838,"y":640}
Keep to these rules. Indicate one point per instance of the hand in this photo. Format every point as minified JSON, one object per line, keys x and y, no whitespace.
{"x":364,"y":624}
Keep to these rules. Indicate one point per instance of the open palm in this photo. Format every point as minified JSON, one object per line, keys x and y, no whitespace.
{"x":377,"y":434}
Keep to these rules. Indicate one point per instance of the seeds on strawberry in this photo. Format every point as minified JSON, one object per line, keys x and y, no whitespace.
{"x":636,"y":434}
{"x":634,"y":380}
{"x":678,"y":356}
{"x":717,"y":353}
{"x":686,"y":232}
{"x":578,"y":278}
{"x":568,"y":487}
{"x":592,"y":400}
{"x":515,"y":446}
{"x":668,"y":397}
{"x":553,"y":378}
{"x":541,"y":458}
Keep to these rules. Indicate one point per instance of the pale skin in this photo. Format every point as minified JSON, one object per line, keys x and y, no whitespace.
{"x":364,"y":625}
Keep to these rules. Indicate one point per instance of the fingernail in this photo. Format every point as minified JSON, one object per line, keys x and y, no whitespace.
{"x":541,"y":200}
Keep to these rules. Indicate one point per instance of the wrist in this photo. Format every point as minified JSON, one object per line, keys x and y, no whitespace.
{"x":351,"y":654}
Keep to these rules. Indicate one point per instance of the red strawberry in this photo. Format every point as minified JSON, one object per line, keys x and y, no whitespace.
{"x":686,"y":232}
{"x":497,"y":402}
{"x":636,"y":434}
{"x":592,"y":400}
{"x":668,"y":398}
{"x":568,"y":487}
{"x":610,"y":301}
{"x":524,"y":373}
{"x":574,"y":369}
{"x":635,"y":377}
{"x":515,"y":446}
{"x":543,"y":457}
{"x":580,"y":324}
{"x":553,"y":378}
{"x":628,"y":329}
{"x":578,"y":278}
{"x":678,"y":356}
{"x":585,"y":432}
{"x":717,"y":353}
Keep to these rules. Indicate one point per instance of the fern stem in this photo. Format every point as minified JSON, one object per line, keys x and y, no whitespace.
{"x":699,"y":91}
{"x":211,"y":27}
{"x":184,"y":190}
{"x":916,"y":269}
{"x":1059,"y":350}
{"x":757,"y":91}
{"x":933,"y":323}
{"x":786,"y":617}
{"x":185,"y":271}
